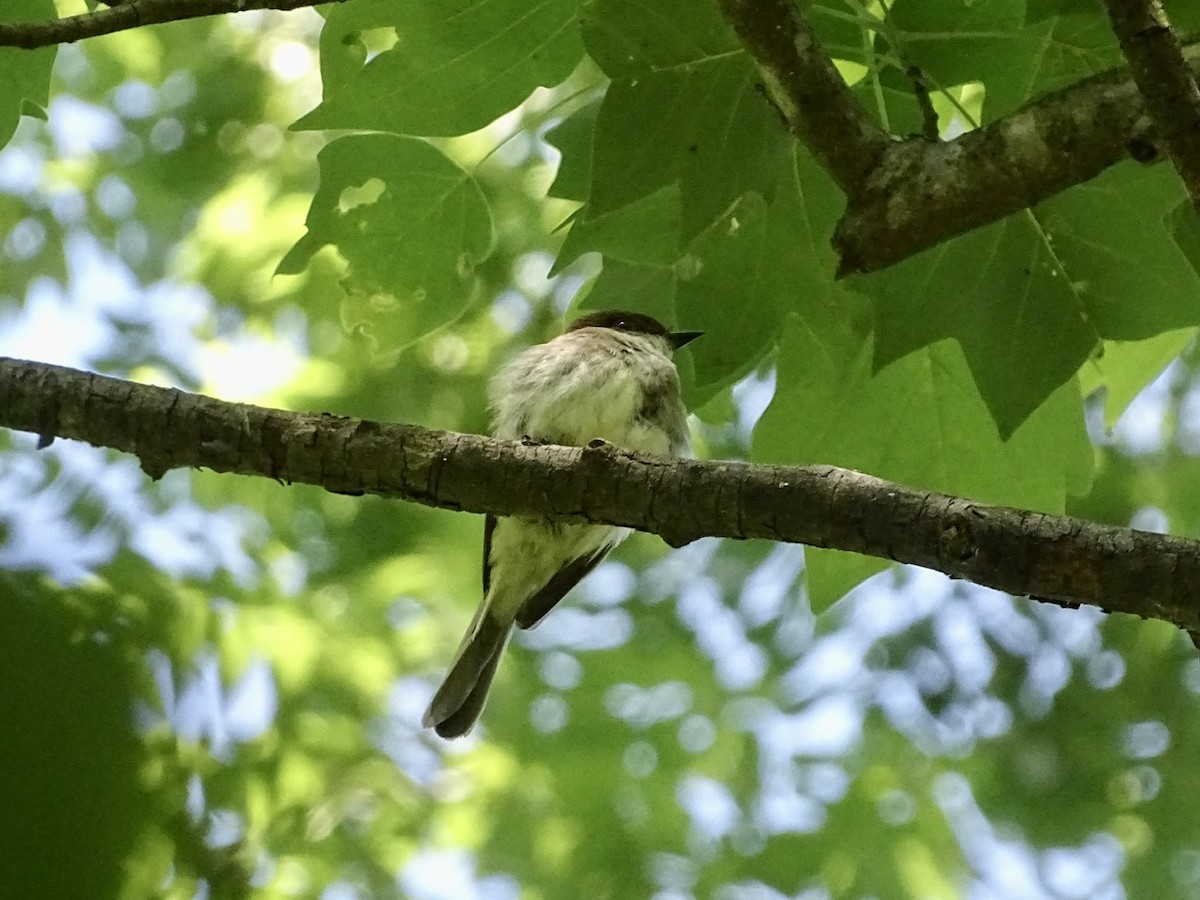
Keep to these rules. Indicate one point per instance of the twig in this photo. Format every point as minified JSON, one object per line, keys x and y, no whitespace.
{"x":1165,"y":81}
{"x":130,"y":14}
{"x":929,"y":116}
{"x":1067,"y":561}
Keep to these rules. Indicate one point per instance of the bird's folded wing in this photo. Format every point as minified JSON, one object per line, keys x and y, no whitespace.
{"x":535,"y":608}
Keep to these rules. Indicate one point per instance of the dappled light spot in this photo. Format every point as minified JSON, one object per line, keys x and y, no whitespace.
{"x":1145,"y":740}
{"x":167,"y":135}
{"x":643,"y":707}
{"x":548,"y":713}
{"x":360,"y":195}
{"x":560,"y":670}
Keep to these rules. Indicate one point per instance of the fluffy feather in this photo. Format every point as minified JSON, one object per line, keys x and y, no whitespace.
{"x":591,"y":382}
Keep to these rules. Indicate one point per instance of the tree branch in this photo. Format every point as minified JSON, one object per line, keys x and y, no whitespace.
{"x":925,"y":192}
{"x":809,"y":92}
{"x":1165,"y":81}
{"x":131,"y":14}
{"x":1060,"y":559}
{"x":919,"y":192}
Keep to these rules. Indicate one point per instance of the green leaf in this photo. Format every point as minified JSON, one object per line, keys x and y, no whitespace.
{"x":34,"y":110}
{"x":919,"y":421}
{"x":646,"y":289}
{"x":628,"y":38}
{"x":742,"y":277}
{"x":732,"y":259}
{"x":840,"y":35}
{"x":1125,"y":368}
{"x":456,"y":65}
{"x":1030,"y":296}
{"x":645,"y":232}
{"x":573,"y":139}
{"x":411,"y":226}
{"x":24,"y":74}
{"x":1111,"y":236}
{"x":955,"y":43}
{"x":999,"y":292}
{"x":1037,"y":10}
{"x":683,"y":108}
{"x":1184,"y":224}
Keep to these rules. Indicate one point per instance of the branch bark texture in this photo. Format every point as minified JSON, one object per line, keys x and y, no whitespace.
{"x":131,"y":14}
{"x":1166,"y":83}
{"x":1056,"y":558}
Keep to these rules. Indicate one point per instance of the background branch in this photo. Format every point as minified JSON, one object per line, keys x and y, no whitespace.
{"x":926,"y":192}
{"x":1166,"y":83}
{"x":131,"y":14}
{"x":917,"y":193}
{"x":1065,"y":560}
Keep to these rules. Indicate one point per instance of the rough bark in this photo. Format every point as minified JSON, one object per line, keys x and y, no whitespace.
{"x":1056,"y":558}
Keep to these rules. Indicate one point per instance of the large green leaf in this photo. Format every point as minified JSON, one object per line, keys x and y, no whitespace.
{"x":1029,"y":297}
{"x":919,"y":421}
{"x":411,"y":225}
{"x":682,"y":108}
{"x":24,"y":74}
{"x":1001,"y":293}
{"x":743,"y":276}
{"x":456,"y":64}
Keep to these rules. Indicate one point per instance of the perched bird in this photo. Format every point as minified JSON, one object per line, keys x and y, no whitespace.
{"x":610,"y":375}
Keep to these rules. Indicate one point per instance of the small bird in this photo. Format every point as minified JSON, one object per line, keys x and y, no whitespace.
{"x":610,"y":375}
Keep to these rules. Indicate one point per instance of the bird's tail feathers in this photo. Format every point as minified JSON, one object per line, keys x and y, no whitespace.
{"x":460,"y":698}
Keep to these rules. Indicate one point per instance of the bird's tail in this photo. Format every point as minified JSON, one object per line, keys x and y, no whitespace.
{"x":460,"y":698}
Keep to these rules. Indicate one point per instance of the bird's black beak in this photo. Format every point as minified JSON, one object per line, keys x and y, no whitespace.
{"x":680,"y":338}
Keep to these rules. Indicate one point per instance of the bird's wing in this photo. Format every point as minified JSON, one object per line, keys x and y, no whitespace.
{"x":535,"y":608}
{"x":489,"y":525}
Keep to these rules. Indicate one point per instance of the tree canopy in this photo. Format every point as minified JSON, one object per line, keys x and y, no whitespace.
{"x":953,"y":246}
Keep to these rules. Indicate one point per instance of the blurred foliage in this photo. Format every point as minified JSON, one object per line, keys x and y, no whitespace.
{"x":212,"y":686}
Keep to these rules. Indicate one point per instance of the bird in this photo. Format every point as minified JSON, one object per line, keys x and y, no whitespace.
{"x":610,"y":376}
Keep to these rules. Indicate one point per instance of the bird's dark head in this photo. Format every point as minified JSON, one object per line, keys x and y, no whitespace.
{"x":635,"y":323}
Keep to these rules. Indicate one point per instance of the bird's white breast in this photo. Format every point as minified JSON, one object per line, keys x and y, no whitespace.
{"x":591,"y":384}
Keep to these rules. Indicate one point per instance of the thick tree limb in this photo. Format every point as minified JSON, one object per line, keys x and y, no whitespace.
{"x":1166,"y":83}
{"x":130,"y":14}
{"x":921,"y":192}
{"x":1064,"y":560}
